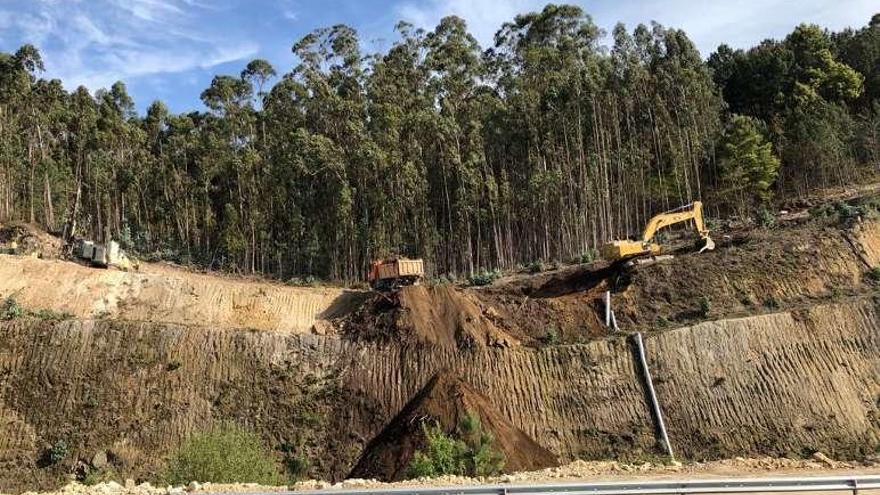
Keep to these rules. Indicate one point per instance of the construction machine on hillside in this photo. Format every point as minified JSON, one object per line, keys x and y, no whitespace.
{"x":625,"y":249}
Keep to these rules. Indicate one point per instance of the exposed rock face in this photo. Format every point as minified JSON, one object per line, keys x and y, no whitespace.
{"x":776,"y":384}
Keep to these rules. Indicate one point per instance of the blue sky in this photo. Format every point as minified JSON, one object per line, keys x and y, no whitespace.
{"x":170,"y":49}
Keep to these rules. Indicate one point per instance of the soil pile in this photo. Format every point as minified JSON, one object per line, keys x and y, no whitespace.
{"x":29,"y":240}
{"x":446,"y":400}
{"x":440,"y":315}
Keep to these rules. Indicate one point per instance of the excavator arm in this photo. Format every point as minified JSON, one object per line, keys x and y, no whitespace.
{"x":693,"y":211}
{"x":627,"y":249}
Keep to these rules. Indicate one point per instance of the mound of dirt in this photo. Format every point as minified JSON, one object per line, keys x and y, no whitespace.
{"x":439,"y":315}
{"x":446,"y":400}
{"x":29,"y":240}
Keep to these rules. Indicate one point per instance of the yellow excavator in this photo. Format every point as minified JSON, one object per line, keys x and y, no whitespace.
{"x":618,"y":250}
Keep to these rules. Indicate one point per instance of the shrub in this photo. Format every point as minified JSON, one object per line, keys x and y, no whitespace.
{"x":307,"y":281}
{"x":11,"y":310}
{"x":58,"y":452}
{"x":51,"y":315}
{"x":95,"y":476}
{"x":705,"y":306}
{"x":535,"y":267}
{"x":874,"y":273}
{"x":552,"y":336}
{"x":766,"y":218}
{"x":771,"y":303}
{"x":227,"y":454}
{"x":297,"y":467}
{"x":589,"y":256}
{"x":484,"y":277}
{"x":469,"y":453}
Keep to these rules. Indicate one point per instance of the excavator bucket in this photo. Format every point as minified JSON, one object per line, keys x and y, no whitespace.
{"x":709,"y":245}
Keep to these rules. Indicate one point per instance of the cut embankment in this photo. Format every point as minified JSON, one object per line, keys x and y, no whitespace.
{"x":446,"y":401}
{"x":777,"y":384}
{"x":160,"y":294}
{"x":440,"y":315}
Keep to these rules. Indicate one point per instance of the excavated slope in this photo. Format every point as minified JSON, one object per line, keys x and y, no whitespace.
{"x":157,"y":293}
{"x":781,"y":383}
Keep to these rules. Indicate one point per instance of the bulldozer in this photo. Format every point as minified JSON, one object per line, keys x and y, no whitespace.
{"x":626,"y":249}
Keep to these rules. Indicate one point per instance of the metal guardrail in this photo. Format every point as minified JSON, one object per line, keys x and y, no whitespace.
{"x":854,"y":484}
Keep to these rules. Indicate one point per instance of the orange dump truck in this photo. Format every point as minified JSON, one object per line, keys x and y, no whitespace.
{"x":393,"y":273}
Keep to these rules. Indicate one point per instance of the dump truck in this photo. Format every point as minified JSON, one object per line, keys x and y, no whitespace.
{"x":626,"y":249}
{"x":394,"y":273}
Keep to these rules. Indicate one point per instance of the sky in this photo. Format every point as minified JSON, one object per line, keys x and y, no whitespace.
{"x":170,"y":49}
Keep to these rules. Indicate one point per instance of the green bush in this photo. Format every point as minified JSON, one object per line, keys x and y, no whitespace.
{"x":227,"y":454}
{"x":470,"y":452}
{"x":766,"y":218}
{"x":95,"y":476}
{"x":484,"y":277}
{"x":11,"y":310}
{"x":535,"y":267}
{"x":51,"y":315}
{"x":705,"y":306}
{"x":589,"y":256}
{"x":58,"y":452}
{"x":552,"y":336}
{"x":874,"y":273}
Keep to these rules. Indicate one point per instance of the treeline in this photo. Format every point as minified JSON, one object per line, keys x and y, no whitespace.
{"x":541,"y":147}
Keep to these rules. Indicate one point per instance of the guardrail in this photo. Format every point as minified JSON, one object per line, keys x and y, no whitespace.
{"x":854,"y":484}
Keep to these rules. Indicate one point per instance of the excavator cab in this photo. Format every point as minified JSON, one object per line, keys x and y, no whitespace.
{"x":618,"y":250}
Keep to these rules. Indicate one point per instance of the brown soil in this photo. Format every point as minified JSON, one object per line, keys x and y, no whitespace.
{"x":446,"y":401}
{"x":31,"y":240}
{"x":440,"y":315}
{"x":161,"y":293}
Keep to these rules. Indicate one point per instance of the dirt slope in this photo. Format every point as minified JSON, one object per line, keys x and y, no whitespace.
{"x":778,"y":384}
{"x":163,"y":294}
{"x":446,"y":400}
{"x":441,"y":315}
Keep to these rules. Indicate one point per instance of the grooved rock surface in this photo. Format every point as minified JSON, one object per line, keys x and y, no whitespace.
{"x":775,"y":384}
{"x":163,"y":294}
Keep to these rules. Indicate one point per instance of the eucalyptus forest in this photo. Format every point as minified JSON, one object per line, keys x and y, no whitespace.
{"x":553,"y":140}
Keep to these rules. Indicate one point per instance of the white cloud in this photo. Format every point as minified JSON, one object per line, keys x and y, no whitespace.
{"x":95,"y":43}
{"x":484,"y":17}
{"x":740,"y":23}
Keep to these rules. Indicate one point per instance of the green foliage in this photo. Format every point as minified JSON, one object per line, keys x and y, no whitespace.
{"x":307,"y":281}
{"x":747,"y":163}
{"x":484,"y":277}
{"x":226,"y":454}
{"x":535,"y":267}
{"x":874,"y":274}
{"x":705,"y":306}
{"x":297,"y":467}
{"x":842,"y":211}
{"x":50,"y":315}
{"x":552,"y":336}
{"x":470,"y":452}
{"x":11,"y":310}
{"x":438,"y":148}
{"x":766,"y":218}
{"x":58,"y":452}
{"x":588,"y":257}
{"x":95,"y":476}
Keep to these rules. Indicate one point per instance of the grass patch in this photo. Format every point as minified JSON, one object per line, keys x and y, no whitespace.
{"x":226,"y":454}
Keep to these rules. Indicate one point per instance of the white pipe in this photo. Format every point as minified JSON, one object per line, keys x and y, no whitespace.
{"x":655,"y":404}
{"x":607,"y":308}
